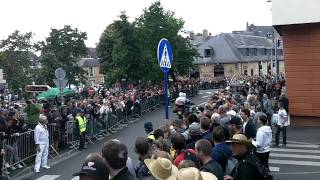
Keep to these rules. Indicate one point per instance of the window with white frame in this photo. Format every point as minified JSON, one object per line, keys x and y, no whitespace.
{"x":90,"y":71}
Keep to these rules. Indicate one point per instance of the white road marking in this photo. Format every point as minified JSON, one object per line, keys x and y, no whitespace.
{"x":201,"y":104}
{"x":274,"y":169}
{"x":294,"y":156}
{"x":205,"y":96}
{"x":298,"y":142}
{"x":303,"y":146}
{"x":293,"y":162}
{"x":48,"y":177}
{"x":209,"y":92}
{"x":295,"y":150}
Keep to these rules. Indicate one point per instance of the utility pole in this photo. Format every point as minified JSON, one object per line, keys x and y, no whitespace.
{"x":275,"y":58}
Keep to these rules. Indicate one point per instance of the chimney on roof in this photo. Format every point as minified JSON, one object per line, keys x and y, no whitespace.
{"x":205,"y":34}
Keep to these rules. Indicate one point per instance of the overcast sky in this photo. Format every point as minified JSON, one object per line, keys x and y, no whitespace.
{"x":92,"y":16}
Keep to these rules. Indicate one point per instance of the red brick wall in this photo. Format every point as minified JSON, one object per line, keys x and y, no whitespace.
{"x":302,"y":67}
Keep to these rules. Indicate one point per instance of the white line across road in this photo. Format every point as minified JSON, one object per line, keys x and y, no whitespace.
{"x":274,"y":169}
{"x":294,"y":156}
{"x":293,"y":162}
{"x":48,"y":177}
{"x":205,"y":97}
{"x":312,"y":146}
{"x":54,"y":177}
{"x":295,"y":150}
{"x":201,"y":104}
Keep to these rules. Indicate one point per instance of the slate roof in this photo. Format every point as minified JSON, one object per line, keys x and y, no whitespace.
{"x":88,"y":62}
{"x":264,"y":31}
{"x":228,"y":48}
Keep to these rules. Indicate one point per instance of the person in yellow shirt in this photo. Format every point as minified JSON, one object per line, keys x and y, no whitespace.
{"x":81,"y":122}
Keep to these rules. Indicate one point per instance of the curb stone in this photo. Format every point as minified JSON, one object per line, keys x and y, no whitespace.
{"x":28,"y":171}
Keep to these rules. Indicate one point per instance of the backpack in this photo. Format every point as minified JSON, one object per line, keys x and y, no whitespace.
{"x":263,"y":171}
{"x":190,"y":154}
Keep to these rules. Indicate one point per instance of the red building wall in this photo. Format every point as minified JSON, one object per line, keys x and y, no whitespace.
{"x":302,"y":66}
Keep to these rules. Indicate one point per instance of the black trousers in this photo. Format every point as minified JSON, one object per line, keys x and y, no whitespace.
{"x":82,"y":140}
{"x":264,"y":158}
{"x":284,"y":134}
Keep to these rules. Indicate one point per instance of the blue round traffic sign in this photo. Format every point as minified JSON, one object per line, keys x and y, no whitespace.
{"x":165,"y":56}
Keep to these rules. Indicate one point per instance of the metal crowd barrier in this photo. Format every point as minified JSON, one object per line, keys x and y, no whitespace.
{"x":22,"y":147}
{"x":96,"y":128}
{"x":213,"y":85}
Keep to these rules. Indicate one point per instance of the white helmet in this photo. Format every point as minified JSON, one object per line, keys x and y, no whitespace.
{"x":181,"y":94}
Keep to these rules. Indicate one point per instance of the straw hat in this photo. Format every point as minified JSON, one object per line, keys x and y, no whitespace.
{"x":161,"y":168}
{"x":239,"y":139}
{"x":192,"y":173}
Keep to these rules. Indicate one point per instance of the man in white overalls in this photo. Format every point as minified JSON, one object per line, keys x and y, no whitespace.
{"x":41,"y":138}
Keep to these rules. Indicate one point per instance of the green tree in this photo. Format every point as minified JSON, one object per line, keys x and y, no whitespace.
{"x":63,"y":48}
{"x":120,"y":51}
{"x":129,"y":50}
{"x":16,"y":59}
{"x":156,"y":23}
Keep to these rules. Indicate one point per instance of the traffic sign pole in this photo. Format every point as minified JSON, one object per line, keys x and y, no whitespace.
{"x":166,"y":98}
{"x":165,"y":59}
{"x":61,"y":82}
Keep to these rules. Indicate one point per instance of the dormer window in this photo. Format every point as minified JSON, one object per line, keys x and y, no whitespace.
{"x":208,"y":53}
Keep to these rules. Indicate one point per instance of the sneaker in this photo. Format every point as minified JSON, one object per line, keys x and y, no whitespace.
{"x":7,"y":165}
{"x":19,"y":166}
{"x":37,"y":171}
{"x":46,"y":167}
{"x":12,"y":168}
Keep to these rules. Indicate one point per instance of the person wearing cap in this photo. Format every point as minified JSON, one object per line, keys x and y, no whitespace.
{"x":41,"y":138}
{"x":240,"y":149}
{"x":94,"y":168}
{"x":235,"y":125}
{"x":195,"y":134}
{"x":161,"y":168}
{"x":204,"y":154}
{"x":116,"y":155}
{"x":192,"y":173}
{"x":81,"y":124}
{"x":148,"y":128}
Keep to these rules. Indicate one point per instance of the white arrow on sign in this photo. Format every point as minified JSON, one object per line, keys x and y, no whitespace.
{"x":61,"y":83}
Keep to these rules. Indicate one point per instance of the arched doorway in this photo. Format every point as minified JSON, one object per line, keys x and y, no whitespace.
{"x":218,"y":70}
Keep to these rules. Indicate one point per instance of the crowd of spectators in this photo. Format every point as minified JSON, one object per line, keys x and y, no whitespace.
{"x":227,"y":139}
{"x":21,"y":117}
